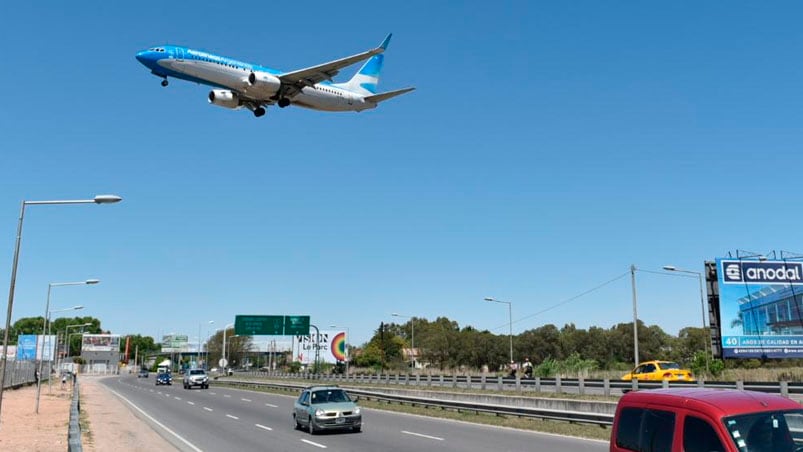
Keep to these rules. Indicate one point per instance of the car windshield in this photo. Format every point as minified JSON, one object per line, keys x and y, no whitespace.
{"x":196,"y":372}
{"x":776,"y":431}
{"x":330,"y":396}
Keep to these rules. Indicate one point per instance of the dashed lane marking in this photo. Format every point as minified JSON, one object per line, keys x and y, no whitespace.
{"x":272,"y":405}
{"x":313,"y":443}
{"x":422,"y":435}
{"x":190,"y":403}
{"x":263,"y":427}
{"x":246,"y":400}
{"x":233,"y":417}
{"x":208,"y":409}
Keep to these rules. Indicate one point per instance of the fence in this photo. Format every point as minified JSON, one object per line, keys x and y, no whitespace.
{"x":557,"y":385}
{"x":21,"y":373}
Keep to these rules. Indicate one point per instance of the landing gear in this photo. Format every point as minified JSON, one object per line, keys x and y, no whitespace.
{"x":284,"y":102}
{"x":165,"y":82}
{"x":259,"y":111}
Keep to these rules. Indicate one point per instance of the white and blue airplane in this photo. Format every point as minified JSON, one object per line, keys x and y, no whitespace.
{"x":251,"y":86}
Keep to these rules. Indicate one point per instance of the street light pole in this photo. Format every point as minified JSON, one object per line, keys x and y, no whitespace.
{"x":672,"y":268}
{"x":348,"y":336}
{"x":46,"y":328}
{"x":67,"y":346}
{"x":42,"y":358}
{"x":635,"y":315}
{"x":100,"y":199}
{"x":198,"y":356}
{"x":412,"y":338}
{"x":510,"y":321}
{"x":225,"y":361}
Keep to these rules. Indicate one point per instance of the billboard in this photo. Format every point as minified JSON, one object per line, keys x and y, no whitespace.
{"x":331,"y":346}
{"x":760,"y":304}
{"x":175,"y":343}
{"x":100,"y":343}
{"x":26,"y":347}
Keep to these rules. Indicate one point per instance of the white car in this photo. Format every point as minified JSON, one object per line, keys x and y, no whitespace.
{"x":196,"y":377}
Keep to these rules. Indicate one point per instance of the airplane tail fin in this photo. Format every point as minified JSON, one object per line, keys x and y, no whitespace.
{"x":367,"y":78}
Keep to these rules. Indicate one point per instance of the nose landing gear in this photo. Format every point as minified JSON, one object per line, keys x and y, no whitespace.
{"x":165,"y":82}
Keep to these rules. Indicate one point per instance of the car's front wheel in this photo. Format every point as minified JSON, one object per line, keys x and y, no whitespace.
{"x":311,"y":427}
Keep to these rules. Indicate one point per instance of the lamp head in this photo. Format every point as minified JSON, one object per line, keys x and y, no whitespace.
{"x":107,"y":199}
{"x":488,"y":299}
{"x":92,"y":281}
{"x":670,"y":268}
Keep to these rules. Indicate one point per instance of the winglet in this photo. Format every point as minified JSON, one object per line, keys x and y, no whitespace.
{"x":385,"y":43}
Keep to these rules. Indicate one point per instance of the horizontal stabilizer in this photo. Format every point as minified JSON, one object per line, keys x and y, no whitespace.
{"x":376,"y":98}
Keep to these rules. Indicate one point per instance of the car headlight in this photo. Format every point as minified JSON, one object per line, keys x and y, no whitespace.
{"x":319,"y":412}
{"x":356,"y":410}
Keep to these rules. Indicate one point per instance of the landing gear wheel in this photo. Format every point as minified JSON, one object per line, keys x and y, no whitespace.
{"x":165,"y":82}
{"x":259,"y":111}
{"x":284,"y":102}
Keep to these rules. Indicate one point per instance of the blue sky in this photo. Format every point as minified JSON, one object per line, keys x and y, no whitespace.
{"x":548,"y":147}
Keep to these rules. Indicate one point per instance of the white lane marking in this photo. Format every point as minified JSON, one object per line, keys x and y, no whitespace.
{"x":233,"y":417}
{"x":314,"y":444}
{"x":213,"y":393}
{"x":177,"y":398}
{"x":422,"y":435}
{"x":263,"y":427}
{"x":191,"y":403}
{"x":246,"y":400}
{"x":189,"y":444}
{"x":208,"y":409}
{"x":226,"y":395}
{"x":272,"y":405}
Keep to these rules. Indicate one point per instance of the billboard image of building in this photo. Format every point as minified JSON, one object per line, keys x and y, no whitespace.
{"x":760,"y":304}
{"x":100,"y":343}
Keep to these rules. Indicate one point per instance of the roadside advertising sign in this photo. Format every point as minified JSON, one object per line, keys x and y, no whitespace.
{"x":760,"y":308}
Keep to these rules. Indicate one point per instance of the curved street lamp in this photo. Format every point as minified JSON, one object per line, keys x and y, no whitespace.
{"x":510,"y":321}
{"x":99,"y":199}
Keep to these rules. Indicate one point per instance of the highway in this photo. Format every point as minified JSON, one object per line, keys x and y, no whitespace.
{"x":222,"y":419}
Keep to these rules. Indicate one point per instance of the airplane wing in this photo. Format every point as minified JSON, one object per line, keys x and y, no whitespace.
{"x":296,"y":80}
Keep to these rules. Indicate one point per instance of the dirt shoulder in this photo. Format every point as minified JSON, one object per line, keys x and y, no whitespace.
{"x":22,"y":430}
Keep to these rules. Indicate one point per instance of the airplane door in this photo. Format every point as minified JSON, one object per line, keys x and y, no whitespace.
{"x":349,"y":99}
{"x":180,"y":54}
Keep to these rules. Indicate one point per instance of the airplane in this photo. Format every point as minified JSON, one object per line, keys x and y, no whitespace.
{"x":237,"y":84}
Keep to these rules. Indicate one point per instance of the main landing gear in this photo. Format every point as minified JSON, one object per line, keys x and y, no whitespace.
{"x":259,"y":111}
{"x":283,"y":102}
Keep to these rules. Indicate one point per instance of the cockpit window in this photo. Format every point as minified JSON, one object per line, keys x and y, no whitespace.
{"x":156,"y":49}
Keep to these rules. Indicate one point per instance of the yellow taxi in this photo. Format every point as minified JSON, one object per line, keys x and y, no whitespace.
{"x":659,"y":370}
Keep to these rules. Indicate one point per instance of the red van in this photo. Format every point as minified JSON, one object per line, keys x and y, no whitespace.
{"x":706,"y":420}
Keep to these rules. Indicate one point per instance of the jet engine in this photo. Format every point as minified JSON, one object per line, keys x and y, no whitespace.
{"x":224,"y":98}
{"x":262,"y":84}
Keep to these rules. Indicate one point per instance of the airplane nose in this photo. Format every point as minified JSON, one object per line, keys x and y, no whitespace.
{"x":142,"y":56}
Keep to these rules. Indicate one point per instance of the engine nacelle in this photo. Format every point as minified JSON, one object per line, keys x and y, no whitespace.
{"x":262,"y":84}
{"x":224,"y":98}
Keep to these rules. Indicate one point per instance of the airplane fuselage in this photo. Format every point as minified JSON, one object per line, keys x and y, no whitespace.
{"x":230,"y":74}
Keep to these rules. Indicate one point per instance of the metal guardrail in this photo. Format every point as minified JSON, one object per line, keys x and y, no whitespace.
{"x":74,"y":427}
{"x":457,"y":405}
{"x":606,"y":387}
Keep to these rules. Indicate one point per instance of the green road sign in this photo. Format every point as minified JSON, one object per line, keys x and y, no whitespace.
{"x":255,"y":325}
{"x":296,"y":325}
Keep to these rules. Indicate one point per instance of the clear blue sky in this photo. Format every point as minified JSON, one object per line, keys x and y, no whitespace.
{"x":548,"y":146}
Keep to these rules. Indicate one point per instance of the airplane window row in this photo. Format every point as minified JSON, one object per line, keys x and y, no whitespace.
{"x":157,"y":49}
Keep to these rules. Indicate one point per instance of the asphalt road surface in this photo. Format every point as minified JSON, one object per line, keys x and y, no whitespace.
{"x":222,"y":419}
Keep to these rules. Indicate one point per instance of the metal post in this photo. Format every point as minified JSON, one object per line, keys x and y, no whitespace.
{"x":708,"y":335}
{"x":635,"y":315}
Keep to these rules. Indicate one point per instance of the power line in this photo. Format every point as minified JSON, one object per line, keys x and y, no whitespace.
{"x":561,"y":303}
